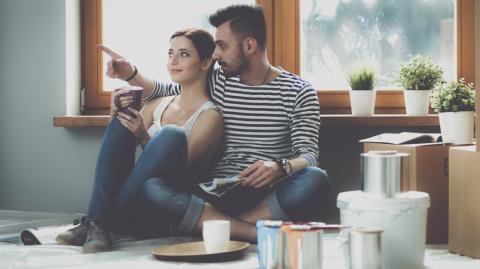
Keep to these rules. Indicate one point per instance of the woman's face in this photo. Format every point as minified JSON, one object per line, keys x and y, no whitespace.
{"x":184,"y":63}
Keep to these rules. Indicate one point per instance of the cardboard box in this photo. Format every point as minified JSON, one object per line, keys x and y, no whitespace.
{"x":464,"y":218}
{"x":426,"y":171}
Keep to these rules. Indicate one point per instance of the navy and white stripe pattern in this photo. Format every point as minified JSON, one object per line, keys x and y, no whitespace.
{"x":280,"y":119}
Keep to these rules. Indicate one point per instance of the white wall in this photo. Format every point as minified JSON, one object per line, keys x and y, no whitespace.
{"x":41,"y":167}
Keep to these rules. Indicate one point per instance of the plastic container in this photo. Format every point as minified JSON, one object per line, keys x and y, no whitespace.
{"x":403,"y":219}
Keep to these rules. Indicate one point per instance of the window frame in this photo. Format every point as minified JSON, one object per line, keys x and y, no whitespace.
{"x":388,"y":101}
{"x":283,"y":22}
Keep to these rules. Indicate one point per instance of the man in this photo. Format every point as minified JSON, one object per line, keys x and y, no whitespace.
{"x":271,"y":119}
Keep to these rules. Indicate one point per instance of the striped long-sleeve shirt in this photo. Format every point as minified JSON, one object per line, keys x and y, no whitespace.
{"x":280,"y":119}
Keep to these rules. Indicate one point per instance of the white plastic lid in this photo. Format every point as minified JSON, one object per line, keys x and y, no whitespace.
{"x":364,"y":201}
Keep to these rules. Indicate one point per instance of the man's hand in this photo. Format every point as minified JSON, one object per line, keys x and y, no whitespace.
{"x":118,"y":66}
{"x":261,"y":174}
{"x":135,"y":125}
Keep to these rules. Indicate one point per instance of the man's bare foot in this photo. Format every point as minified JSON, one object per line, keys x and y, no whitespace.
{"x":258,"y":212}
{"x":239,"y":229}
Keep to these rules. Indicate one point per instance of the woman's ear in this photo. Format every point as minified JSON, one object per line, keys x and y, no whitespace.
{"x":206,"y":63}
{"x":249,"y":45}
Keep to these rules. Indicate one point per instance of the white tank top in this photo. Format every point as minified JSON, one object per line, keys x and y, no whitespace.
{"x":189,"y":123}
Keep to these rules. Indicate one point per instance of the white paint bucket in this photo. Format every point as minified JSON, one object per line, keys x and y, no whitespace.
{"x":403,"y":219}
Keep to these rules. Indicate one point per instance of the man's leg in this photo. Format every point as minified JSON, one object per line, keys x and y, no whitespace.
{"x":259,"y":212}
{"x":295,"y":198}
{"x":239,"y":229}
{"x":187,"y":212}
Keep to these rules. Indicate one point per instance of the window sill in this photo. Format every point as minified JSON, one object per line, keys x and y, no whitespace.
{"x":80,"y":121}
{"x":327,"y":120}
{"x":380,"y":120}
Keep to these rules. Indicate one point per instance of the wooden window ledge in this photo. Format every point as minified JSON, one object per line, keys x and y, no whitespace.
{"x":327,"y":120}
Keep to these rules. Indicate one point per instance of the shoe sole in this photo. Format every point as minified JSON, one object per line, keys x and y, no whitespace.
{"x":67,"y":243}
{"x":96,"y":250}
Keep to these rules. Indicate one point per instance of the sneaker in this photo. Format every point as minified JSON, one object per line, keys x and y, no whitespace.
{"x":98,"y":238}
{"x":75,"y":236}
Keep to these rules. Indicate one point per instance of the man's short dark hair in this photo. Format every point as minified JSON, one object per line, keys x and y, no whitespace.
{"x":245,"y":21}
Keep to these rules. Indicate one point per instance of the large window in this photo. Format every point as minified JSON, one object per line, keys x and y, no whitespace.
{"x":140,"y":30}
{"x":318,"y":39}
{"x":384,"y":33}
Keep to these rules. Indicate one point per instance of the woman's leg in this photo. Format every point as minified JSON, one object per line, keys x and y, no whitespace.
{"x":164,"y":156}
{"x":140,"y":218}
{"x":114,"y":163}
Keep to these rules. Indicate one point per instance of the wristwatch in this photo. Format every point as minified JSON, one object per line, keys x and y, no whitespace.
{"x":285,"y":166}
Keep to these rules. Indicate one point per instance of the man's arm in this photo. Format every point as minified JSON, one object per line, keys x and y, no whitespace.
{"x":305,"y":129}
{"x":120,"y":68}
{"x":304,"y":135}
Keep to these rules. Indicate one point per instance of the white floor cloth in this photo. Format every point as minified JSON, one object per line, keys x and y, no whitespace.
{"x":136,"y":254}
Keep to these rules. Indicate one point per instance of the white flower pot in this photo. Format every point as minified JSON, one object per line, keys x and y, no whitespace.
{"x":416,"y":102}
{"x":457,"y":127}
{"x":362,"y":102}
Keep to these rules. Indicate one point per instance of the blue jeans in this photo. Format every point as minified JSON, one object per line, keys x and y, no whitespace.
{"x":118,"y":197}
{"x":297,"y":198}
{"x":154,"y":194}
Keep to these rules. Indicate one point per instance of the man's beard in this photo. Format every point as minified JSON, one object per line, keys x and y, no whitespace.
{"x":241,"y":66}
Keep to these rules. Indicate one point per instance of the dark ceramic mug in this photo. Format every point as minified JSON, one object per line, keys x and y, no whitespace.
{"x":134,"y":91}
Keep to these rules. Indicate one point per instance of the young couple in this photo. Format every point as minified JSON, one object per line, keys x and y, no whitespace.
{"x":266,"y":118}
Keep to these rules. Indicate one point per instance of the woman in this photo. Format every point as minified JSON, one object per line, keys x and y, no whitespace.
{"x":178,"y":135}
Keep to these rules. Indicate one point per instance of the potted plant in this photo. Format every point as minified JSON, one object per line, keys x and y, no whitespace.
{"x":455,"y":104}
{"x":362,"y":79}
{"x":418,"y":77}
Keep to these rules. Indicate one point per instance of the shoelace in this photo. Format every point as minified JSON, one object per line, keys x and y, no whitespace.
{"x":95,"y":231}
{"x":80,"y":220}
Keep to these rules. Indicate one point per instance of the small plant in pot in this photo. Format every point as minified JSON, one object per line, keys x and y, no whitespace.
{"x":418,"y":77}
{"x":455,"y":104}
{"x":362,"y":79}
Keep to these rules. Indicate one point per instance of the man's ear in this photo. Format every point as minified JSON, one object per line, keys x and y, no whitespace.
{"x":249,"y":45}
{"x":206,"y":63}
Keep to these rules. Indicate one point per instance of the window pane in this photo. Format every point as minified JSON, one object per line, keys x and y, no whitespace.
{"x":140,"y":30}
{"x":338,"y":33}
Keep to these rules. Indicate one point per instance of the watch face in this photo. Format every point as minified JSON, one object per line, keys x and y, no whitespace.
{"x":287,"y":166}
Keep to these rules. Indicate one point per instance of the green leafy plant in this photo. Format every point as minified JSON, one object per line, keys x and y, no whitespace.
{"x":419,"y":74}
{"x":453,"y":97}
{"x":362,"y":77}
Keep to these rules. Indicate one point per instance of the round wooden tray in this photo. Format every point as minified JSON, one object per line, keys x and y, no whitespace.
{"x":195,"y":252}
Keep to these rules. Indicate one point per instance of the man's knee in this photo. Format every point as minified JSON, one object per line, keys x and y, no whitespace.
{"x":318,"y":180}
{"x":300,"y":195}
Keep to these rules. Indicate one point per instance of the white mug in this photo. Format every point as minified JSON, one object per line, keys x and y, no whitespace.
{"x":216,"y":235}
